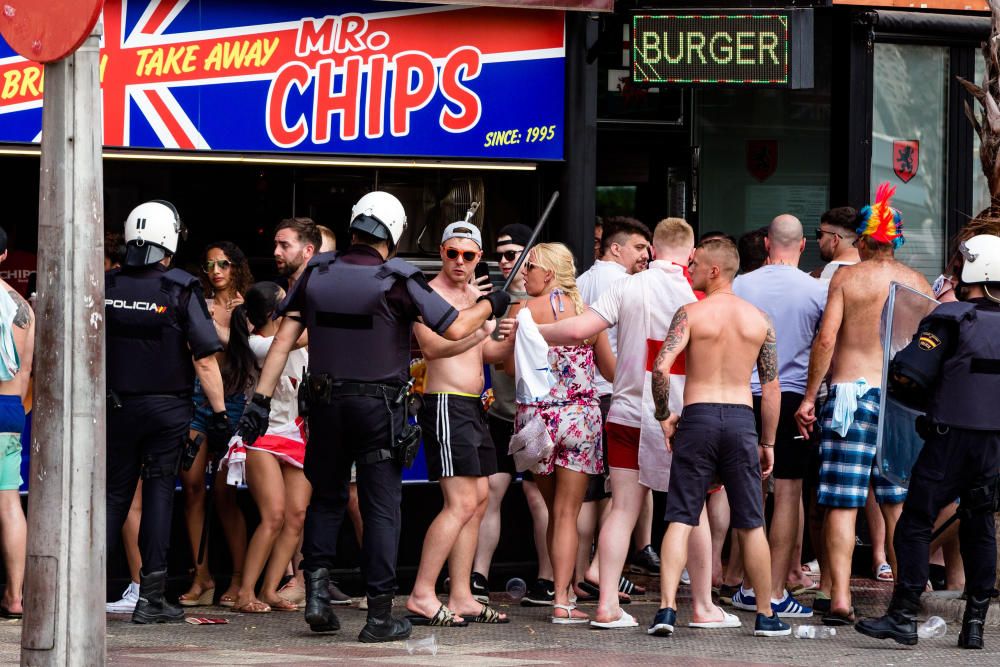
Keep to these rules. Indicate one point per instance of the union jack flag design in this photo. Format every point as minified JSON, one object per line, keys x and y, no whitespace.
{"x":374,"y":78}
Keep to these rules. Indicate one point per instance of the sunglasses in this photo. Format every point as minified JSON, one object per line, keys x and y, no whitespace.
{"x":531,"y":266}
{"x":509,"y":255}
{"x":820,"y":232}
{"x":210,"y":265}
{"x":453,"y":253}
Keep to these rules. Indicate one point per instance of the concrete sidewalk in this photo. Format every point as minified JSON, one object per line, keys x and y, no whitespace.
{"x":530,"y":639}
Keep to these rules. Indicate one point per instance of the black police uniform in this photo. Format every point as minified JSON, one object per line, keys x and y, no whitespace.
{"x":955,"y":359}
{"x":359,"y":311}
{"x":156,"y":320}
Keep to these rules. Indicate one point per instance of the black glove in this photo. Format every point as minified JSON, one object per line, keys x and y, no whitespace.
{"x":499,"y":300}
{"x":253,"y":423}
{"x":218,"y":431}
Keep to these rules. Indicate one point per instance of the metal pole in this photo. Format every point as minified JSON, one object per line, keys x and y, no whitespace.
{"x":64,"y":586}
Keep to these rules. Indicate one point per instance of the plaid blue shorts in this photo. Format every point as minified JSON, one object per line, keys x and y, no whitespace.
{"x":847,"y":464}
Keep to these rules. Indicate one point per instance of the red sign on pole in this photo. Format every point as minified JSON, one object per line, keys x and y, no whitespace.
{"x":47,"y":30}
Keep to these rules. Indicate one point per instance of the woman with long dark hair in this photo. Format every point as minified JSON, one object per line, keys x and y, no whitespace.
{"x":226,"y":278}
{"x":273,"y":466}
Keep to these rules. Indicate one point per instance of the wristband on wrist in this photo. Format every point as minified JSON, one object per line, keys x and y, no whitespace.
{"x":765,"y":446}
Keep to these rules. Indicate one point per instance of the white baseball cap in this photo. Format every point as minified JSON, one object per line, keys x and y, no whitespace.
{"x":462,"y":230}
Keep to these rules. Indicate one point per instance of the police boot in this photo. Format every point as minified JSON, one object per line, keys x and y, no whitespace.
{"x":319,"y":613}
{"x":381,"y":626}
{"x":152,"y":607}
{"x":899,"y":622}
{"x":976,"y":607}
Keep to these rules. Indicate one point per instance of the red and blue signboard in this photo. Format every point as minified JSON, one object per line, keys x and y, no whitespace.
{"x":312,"y":76}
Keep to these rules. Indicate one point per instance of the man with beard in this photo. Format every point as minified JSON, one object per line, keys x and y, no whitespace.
{"x":296,"y":240}
{"x":835,"y":236}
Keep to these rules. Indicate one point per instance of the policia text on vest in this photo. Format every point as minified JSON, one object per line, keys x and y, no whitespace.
{"x":734,"y":49}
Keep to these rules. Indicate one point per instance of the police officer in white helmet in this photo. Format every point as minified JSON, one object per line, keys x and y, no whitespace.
{"x":159,"y":337}
{"x":951,"y":369}
{"x":359,"y":307}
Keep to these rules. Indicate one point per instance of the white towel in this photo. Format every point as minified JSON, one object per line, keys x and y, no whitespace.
{"x":10,"y":362}
{"x":846,"y":404}
{"x":532,"y":375}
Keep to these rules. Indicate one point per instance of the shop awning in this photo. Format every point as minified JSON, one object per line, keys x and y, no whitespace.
{"x":567,"y":5}
{"x":928,"y":23}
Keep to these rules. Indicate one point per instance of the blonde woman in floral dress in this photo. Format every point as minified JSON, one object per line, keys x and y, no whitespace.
{"x":571,"y":413}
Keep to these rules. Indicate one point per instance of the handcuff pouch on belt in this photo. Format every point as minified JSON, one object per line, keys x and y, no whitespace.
{"x":984,"y":498}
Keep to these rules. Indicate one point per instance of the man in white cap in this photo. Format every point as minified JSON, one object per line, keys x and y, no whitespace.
{"x":457,"y":442}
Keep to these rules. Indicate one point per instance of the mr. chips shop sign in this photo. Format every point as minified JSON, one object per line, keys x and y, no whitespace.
{"x":361,"y":77}
{"x":772,"y":48}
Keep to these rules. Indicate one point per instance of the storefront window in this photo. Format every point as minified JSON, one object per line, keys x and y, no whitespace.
{"x":980,"y":188}
{"x":766,"y":152}
{"x":910,"y":114}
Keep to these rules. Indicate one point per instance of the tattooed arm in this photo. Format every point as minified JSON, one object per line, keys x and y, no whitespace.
{"x":24,"y":337}
{"x":770,"y":397}
{"x":677,"y":338}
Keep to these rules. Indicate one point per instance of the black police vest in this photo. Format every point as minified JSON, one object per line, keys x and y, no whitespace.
{"x":353,"y":334}
{"x":969,"y":384}
{"x":147,"y":351}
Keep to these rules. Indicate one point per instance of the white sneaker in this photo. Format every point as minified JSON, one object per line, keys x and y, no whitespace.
{"x":127,"y":604}
{"x":685,"y":577}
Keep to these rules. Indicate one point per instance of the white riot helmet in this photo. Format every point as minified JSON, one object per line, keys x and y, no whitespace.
{"x":381,"y":215}
{"x":982,"y":259}
{"x":151,"y":232}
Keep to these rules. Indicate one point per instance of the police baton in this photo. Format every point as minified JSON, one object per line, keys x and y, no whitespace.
{"x":524,"y":253}
{"x":531,"y":242}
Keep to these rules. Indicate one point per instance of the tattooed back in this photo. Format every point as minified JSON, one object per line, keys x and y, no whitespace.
{"x":727,"y":336}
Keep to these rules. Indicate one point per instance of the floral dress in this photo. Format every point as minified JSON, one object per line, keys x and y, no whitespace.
{"x":571,"y":412}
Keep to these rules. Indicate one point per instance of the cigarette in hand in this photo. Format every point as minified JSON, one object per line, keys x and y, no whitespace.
{"x":799,"y":437}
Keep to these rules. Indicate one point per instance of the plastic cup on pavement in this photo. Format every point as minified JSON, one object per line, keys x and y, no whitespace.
{"x":516,"y":588}
{"x":428,"y":645}
{"x":932,"y":628}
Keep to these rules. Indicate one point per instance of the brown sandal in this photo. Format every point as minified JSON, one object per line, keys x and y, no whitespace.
{"x":255,"y":607}
{"x":281,"y":604}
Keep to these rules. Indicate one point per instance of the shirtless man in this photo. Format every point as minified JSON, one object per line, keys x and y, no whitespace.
{"x":13,"y":528}
{"x":848,"y":346}
{"x":456,"y":440}
{"x":723,"y":337}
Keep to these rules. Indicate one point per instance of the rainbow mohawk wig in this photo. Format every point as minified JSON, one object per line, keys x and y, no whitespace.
{"x":880,"y":221}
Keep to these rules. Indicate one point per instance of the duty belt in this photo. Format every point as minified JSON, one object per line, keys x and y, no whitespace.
{"x":321,"y":388}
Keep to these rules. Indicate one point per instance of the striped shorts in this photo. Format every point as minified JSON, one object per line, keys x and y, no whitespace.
{"x":457,"y":442}
{"x":847,"y":464}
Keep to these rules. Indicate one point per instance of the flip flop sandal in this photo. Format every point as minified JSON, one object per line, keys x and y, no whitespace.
{"x":569,"y":619}
{"x":795,"y":590}
{"x":7,"y":613}
{"x":840,"y":618}
{"x":281,"y":604}
{"x":255,"y":607}
{"x":490,"y":615}
{"x":625,"y":620}
{"x":728,"y":621}
{"x":884,"y":572}
{"x":592,"y":589}
{"x":588,"y":596}
{"x":443,"y":618}
{"x":629,"y":587}
{"x":227,"y":600}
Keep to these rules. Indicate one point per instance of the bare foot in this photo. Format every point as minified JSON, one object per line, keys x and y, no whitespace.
{"x":12,"y":606}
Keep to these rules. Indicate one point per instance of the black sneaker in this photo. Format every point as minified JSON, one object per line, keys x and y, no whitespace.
{"x":542,"y":594}
{"x":480,"y":588}
{"x":771,"y":626}
{"x":645,"y":561}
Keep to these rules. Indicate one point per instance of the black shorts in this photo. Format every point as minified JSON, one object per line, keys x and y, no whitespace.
{"x":716,"y":440}
{"x":597,"y":485}
{"x":793,"y":459}
{"x":501,"y":431}
{"x":456,"y":440}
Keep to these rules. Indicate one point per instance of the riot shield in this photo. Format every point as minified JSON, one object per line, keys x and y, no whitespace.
{"x":898,"y":443}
